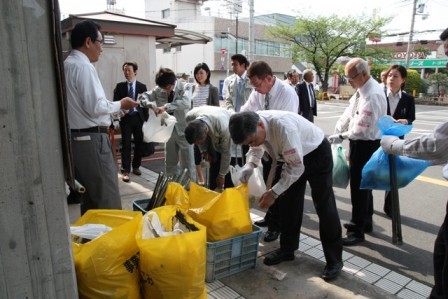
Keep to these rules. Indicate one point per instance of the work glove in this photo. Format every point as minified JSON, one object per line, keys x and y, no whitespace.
{"x":246,"y":173}
{"x":335,"y":139}
{"x":392,"y":145}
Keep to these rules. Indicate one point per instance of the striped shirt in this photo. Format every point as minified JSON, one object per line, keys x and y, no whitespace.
{"x":200,"y":95}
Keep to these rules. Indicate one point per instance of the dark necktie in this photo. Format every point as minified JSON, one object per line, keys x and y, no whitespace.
{"x":131,"y":95}
{"x":310,"y":91}
{"x":171,"y":96}
{"x":266,"y":101}
{"x":131,"y":91}
{"x":273,"y":169}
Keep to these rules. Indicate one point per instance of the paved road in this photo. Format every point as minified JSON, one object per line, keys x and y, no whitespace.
{"x":422,"y":205}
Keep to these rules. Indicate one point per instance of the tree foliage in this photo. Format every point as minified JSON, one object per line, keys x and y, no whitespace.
{"x":439,"y":83}
{"x":322,"y":40}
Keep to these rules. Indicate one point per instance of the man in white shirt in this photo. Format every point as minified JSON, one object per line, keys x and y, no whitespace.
{"x":270,"y":93}
{"x":358,"y":123}
{"x":89,"y":118}
{"x":306,"y":154}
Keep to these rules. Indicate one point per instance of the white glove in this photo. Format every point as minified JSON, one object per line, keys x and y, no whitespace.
{"x":445,"y":172}
{"x":116,"y":124}
{"x":246,"y":173}
{"x":392,"y":145}
{"x":335,"y":139}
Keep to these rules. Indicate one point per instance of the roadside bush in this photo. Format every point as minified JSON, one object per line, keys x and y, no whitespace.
{"x":414,"y":82}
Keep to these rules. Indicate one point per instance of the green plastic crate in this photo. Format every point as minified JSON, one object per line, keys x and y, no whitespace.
{"x":232,"y":255}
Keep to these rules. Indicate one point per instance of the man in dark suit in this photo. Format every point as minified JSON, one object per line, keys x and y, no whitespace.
{"x":307,"y":99}
{"x":131,"y":121}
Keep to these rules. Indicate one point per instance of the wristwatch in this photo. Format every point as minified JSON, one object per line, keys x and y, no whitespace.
{"x":275,"y":195}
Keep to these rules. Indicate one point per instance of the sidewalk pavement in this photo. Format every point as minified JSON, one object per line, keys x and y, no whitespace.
{"x":359,"y":279}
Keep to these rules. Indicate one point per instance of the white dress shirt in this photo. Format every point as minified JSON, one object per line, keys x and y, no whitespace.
{"x":371,"y":106}
{"x":87,"y":105}
{"x":291,"y":138}
{"x":281,"y":97}
{"x":393,"y":100}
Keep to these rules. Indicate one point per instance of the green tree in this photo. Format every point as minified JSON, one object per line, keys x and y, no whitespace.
{"x":413,"y":82}
{"x":322,"y":40}
{"x":439,"y":83}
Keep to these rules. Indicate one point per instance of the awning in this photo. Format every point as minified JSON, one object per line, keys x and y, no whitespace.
{"x":182,"y":38}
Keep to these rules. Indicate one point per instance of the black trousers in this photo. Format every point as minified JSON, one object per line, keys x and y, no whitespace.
{"x":440,"y":261}
{"x":318,"y":172}
{"x":131,"y":125}
{"x":362,"y":199}
{"x":272,"y":216}
{"x":214,"y":172}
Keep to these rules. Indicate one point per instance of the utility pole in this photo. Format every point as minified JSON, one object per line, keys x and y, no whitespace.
{"x":251,"y":31}
{"x":411,"y":32}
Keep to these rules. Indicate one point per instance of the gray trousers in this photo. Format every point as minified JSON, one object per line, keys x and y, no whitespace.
{"x":179,"y":151}
{"x":95,"y":169}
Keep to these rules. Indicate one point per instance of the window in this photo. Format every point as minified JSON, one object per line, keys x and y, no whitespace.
{"x":166,"y":13}
{"x":166,"y":50}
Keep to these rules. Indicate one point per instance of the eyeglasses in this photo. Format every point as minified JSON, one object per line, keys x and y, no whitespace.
{"x":258,"y":84}
{"x":353,"y":78}
{"x":100,"y":41}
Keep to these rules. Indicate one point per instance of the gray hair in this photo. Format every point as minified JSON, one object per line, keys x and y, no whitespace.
{"x":362,"y":66}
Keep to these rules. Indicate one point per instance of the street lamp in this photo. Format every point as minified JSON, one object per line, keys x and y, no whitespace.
{"x":415,"y":11}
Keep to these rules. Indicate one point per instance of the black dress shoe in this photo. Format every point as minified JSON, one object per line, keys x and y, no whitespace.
{"x":387,"y":211}
{"x":368,"y":227}
{"x":332,"y":271}
{"x":351,"y":239}
{"x":278,"y":256}
{"x":270,"y":236}
{"x":261,"y":223}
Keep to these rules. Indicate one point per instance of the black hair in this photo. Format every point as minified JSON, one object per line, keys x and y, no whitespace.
{"x":133,"y":64}
{"x":242,"y":125}
{"x":241,"y":59}
{"x":165,"y":77}
{"x":444,"y":35}
{"x":195,"y":130}
{"x":205,"y":67}
{"x":402,"y":70}
{"x":82,"y":31}
{"x":259,"y":69}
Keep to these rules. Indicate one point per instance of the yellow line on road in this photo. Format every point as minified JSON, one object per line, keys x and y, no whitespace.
{"x":432,"y":181}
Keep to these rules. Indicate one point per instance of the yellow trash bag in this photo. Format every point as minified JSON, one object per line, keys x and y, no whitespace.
{"x":172,"y":266}
{"x":226,"y":215}
{"x":176,"y":195}
{"x":107,"y":266}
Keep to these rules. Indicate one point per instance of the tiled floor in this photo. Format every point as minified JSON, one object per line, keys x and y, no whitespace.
{"x":390,"y":281}
{"x":376,"y":275}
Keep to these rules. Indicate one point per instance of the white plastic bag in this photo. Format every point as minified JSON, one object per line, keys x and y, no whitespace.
{"x":256,"y":184}
{"x":89,"y":231}
{"x":158,"y":128}
{"x":152,"y":228}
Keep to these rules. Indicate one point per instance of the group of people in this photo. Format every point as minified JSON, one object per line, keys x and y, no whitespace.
{"x":270,"y":119}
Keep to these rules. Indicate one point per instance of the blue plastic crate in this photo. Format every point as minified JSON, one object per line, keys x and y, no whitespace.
{"x":232,"y":255}
{"x":140,"y":205}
